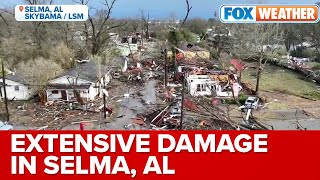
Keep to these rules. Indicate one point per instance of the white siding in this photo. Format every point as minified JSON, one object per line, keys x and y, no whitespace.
{"x":88,"y":94}
{"x":205,"y":90}
{"x":24,"y":93}
{"x":51,"y":96}
{"x":70,"y":94}
{"x":203,"y":81}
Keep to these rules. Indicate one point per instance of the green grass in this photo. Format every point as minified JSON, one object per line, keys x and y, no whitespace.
{"x":276,"y":79}
{"x":278,"y":106}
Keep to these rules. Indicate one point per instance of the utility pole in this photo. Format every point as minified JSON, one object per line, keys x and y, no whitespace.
{"x":165,"y":68}
{"x":5,"y":92}
{"x":182,"y":99}
{"x":104,"y":98}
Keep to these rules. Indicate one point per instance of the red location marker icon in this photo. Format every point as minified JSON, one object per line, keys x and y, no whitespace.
{"x":21,"y":8}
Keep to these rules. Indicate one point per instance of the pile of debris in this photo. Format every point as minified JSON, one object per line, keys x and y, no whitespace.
{"x":58,"y":114}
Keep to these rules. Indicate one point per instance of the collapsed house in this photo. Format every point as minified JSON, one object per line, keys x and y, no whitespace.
{"x":212,"y":84}
{"x":128,"y":45}
{"x":190,"y":53}
{"x":86,"y":80}
{"x":201,"y":85}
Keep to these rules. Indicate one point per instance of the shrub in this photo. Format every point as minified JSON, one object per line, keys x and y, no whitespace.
{"x":242,"y":99}
{"x":229,"y":101}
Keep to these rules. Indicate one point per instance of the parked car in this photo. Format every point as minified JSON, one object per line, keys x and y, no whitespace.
{"x":5,"y":126}
{"x":252,"y":102}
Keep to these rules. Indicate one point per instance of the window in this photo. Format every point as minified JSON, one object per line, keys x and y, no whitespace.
{"x":16,"y":88}
{"x":213,"y":88}
{"x":55,"y":92}
{"x":201,"y":87}
{"x":198,"y":87}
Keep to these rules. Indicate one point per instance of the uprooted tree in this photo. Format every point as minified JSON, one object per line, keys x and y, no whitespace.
{"x":37,"y":72}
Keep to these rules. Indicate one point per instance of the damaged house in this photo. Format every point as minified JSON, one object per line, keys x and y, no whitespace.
{"x":81,"y":80}
{"x":201,"y":85}
{"x":210,"y":85}
{"x":16,"y":87}
{"x":128,"y":45}
{"x":190,"y":52}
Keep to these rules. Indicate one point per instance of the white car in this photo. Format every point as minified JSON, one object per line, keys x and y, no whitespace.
{"x":252,"y":102}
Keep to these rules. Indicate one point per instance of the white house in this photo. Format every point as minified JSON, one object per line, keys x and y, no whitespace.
{"x":83,"y":78}
{"x":203,"y":85}
{"x":16,"y":88}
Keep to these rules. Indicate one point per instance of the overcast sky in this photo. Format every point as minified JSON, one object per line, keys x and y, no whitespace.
{"x":166,"y":8}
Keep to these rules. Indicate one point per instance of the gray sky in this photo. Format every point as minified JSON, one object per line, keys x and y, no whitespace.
{"x":166,"y":8}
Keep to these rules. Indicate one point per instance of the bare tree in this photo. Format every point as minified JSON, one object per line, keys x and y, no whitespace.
{"x":250,"y":40}
{"x":67,"y":34}
{"x":39,"y":27}
{"x":187,"y":14}
{"x":145,"y":19}
{"x":62,"y":55}
{"x":97,"y":28}
{"x":4,"y":17}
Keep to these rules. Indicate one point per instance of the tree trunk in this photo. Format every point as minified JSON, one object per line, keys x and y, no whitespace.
{"x":78,"y":97}
{"x":258,"y":78}
{"x":42,"y":97}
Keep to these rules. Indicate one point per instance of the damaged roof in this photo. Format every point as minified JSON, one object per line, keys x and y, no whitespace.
{"x":68,"y":86}
{"x":191,"y":47}
{"x":86,"y":70}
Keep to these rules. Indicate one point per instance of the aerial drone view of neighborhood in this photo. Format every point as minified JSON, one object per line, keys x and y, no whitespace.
{"x":156,"y":69}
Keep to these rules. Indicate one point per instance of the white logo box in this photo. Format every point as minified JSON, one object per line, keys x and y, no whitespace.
{"x":51,"y":12}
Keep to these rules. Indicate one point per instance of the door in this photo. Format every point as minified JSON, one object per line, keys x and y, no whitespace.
{"x":64,"y":95}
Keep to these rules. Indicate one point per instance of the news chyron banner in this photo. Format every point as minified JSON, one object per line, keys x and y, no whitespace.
{"x":269,"y":13}
{"x":51,"y":12}
{"x":102,"y":155}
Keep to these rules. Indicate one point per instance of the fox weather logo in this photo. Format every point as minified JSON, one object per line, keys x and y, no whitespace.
{"x":269,"y":13}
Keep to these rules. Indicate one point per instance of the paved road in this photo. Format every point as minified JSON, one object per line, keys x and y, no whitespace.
{"x":132,"y":106}
{"x":310,"y":124}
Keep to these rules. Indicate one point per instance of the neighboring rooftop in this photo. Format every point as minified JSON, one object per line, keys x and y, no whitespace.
{"x":86,"y":70}
{"x":15,"y":78}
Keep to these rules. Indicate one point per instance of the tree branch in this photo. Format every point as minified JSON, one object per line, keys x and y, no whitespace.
{"x":82,"y":2}
{"x":187,"y":15}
